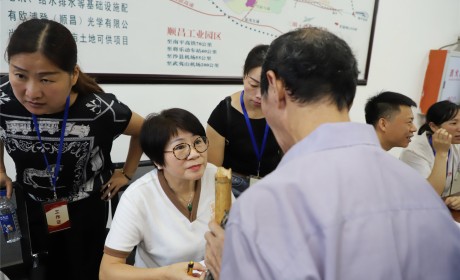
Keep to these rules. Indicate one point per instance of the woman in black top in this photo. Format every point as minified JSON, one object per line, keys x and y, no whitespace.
{"x":238,"y":133}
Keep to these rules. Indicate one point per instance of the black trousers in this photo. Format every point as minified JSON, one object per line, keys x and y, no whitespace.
{"x":73,"y":253}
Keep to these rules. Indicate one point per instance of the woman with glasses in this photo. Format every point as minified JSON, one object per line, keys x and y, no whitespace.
{"x":239,"y":135}
{"x":166,"y":212}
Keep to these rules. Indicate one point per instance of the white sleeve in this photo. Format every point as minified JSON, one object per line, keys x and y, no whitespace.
{"x":126,"y":229}
{"x":417,"y":161}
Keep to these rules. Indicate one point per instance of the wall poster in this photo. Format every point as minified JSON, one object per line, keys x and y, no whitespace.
{"x":187,"y":41}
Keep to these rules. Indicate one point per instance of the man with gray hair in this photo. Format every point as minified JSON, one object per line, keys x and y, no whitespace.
{"x":337,"y":206}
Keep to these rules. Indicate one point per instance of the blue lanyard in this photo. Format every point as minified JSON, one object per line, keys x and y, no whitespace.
{"x":251,"y":134}
{"x":61,"y":144}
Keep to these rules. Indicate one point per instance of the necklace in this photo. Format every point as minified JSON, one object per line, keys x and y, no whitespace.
{"x":188,"y":202}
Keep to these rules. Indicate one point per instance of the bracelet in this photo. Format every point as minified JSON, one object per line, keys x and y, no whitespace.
{"x":124,"y":174}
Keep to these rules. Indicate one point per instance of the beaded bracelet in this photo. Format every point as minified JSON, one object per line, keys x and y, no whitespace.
{"x":127,"y":177}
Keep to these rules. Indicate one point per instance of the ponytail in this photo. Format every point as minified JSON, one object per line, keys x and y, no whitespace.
{"x":86,"y":84}
{"x":425,"y":127}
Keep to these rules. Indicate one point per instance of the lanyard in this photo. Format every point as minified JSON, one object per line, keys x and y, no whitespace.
{"x":251,"y":134}
{"x":61,"y":143}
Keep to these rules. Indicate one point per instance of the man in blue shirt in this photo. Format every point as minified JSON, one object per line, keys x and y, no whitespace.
{"x":337,"y":206}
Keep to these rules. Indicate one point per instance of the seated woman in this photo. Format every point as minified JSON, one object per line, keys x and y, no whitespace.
{"x":239,"y":135}
{"x":435,"y":152}
{"x":166,"y":212}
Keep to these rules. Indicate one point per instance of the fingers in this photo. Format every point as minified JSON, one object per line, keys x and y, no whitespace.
{"x":216,"y":229}
{"x":106,"y":191}
{"x":453,"y":202}
{"x":6,"y":181}
{"x":198,"y":266}
{"x":441,"y":140}
{"x":112,"y":187}
{"x":442,"y":135}
{"x":9,"y":189}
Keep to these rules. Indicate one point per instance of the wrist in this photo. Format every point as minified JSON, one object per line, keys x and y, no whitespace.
{"x":126,"y":175}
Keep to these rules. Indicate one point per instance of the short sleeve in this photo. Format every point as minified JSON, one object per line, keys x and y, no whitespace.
{"x":125,"y":231}
{"x":121,"y":114}
{"x":218,"y":119}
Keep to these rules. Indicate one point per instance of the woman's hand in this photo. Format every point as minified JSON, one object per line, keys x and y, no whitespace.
{"x":179,"y":271}
{"x":111,"y":188}
{"x":441,"y":141}
{"x":453,"y":202}
{"x":7,"y":182}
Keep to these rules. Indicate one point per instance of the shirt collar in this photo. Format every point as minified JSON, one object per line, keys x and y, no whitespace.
{"x":332,"y":136}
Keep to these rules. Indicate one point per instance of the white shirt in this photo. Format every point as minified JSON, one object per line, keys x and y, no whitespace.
{"x":420,"y":156}
{"x":148,"y":219}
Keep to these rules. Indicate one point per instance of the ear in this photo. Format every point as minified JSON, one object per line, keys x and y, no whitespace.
{"x":74,"y":75}
{"x":433,"y":127}
{"x":278,"y":88}
{"x":382,"y":124}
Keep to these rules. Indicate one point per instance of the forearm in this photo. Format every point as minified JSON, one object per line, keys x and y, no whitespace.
{"x":121,"y":271}
{"x":437,"y":177}
{"x":133,"y":157}
{"x":2,"y":162}
{"x":135,"y":150}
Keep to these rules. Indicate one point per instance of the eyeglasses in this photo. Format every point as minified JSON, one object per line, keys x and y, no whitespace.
{"x":182,"y":151}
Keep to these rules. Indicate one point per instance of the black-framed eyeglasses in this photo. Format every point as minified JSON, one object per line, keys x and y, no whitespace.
{"x":182,"y":151}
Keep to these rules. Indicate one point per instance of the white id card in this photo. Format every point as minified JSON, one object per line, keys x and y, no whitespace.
{"x":57,"y":215}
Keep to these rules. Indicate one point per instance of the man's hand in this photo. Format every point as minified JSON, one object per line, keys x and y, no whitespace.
{"x":214,"y":248}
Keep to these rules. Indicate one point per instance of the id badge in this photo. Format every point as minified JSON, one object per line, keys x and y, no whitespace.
{"x":253,"y":180}
{"x":57,"y":215}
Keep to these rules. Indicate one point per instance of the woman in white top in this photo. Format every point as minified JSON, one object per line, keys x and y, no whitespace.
{"x":166,"y":212}
{"x":435,"y":152}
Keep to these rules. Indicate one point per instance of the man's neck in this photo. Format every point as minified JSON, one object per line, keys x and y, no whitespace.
{"x":303,"y":120}
{"x":386,"y":146}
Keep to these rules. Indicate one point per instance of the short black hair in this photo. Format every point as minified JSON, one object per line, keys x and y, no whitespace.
{"x":158,"y":129}
{"x":314,"y":65}
{"x":439,"y":113}
{"x":385,"y":104}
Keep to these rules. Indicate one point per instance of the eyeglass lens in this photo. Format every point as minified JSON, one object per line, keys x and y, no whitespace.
{"x":182,"y":151}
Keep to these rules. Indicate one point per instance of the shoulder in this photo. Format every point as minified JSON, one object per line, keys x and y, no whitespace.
{"x":209,"y":173}
{"x":6,"y":91}
{"x":218,"y":116}
{"x":221,"y":105}
{"x":143,"y":187}
{"x":419,"y":146}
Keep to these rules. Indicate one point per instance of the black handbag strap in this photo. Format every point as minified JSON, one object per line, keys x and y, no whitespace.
{"x":228,"y":102}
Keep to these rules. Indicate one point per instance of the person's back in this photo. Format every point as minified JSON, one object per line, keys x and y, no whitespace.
{"x":337,"y":206}
{"x":329,"y":221}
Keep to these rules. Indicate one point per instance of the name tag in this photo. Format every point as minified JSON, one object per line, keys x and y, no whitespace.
{"x":57,"y":215}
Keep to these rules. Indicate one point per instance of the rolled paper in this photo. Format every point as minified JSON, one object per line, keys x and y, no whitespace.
{"x":223,"y":193}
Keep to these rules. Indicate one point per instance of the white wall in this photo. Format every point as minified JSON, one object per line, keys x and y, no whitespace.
{"x":405,"y":32}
